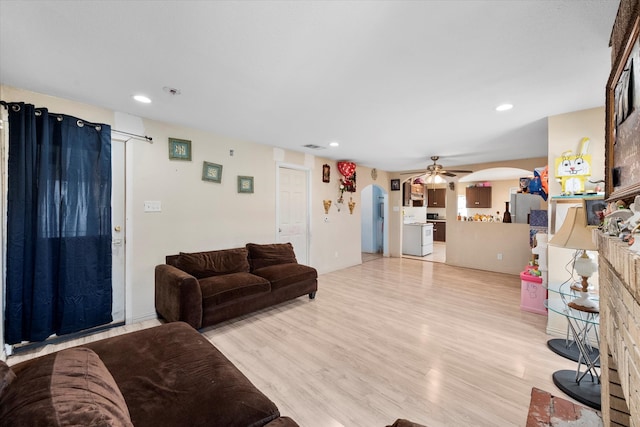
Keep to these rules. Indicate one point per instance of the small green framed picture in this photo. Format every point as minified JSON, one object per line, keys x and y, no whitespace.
{"x":245,"y":184}
{"x":179,"y":149}
{"x":211,"y":172}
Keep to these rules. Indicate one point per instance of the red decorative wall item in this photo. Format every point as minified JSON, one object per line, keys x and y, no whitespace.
{"x":348,"y":171}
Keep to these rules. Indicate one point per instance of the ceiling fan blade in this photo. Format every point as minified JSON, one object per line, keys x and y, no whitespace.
{"x":447,"y":173}
{"x":459,"y":171}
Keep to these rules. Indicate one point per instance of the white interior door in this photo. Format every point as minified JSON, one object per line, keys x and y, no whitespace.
{"x":118,"y":230}
{"x":293,"y":215}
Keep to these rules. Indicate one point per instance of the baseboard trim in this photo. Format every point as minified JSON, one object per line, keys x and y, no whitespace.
{"x":17,"y":349}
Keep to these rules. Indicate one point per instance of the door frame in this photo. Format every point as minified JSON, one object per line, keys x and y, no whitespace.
{"x":283,"y":165}
{"x":127,"y":223}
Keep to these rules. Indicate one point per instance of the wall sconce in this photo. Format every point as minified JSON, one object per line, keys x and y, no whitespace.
{"x":352,"y":205}
{"x":327,"y":205}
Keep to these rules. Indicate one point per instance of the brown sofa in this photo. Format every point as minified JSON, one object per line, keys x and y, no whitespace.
{"x":205,"y":288}
{"x":167,"y":375}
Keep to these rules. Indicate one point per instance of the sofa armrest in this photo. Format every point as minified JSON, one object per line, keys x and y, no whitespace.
{"x":178,"y":296}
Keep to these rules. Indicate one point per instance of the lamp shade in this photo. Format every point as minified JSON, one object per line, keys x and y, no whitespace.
{"x":574,"y":233}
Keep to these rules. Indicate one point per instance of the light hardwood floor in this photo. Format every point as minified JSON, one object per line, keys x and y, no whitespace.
{"x":394,"y":338}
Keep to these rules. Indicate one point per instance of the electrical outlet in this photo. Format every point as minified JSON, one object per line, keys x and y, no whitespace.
{"x":499,"y":257}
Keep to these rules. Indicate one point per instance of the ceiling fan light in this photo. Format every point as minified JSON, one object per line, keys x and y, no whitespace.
{"x":435,"y":179}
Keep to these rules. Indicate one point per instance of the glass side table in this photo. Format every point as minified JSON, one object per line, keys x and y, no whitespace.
{"x":566,"y":347}
{"x":582,"y":384}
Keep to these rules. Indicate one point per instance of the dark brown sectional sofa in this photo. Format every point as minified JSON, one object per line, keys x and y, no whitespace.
{"x":167,"y":376}
{"x":205,"y":288}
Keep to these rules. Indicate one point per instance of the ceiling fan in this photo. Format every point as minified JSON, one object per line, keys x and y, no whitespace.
{"x":436,"y":169}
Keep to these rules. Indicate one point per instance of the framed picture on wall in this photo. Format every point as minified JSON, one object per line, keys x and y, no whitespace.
{"x":395,"y":185}
{"x":622,"y":153}
{"x":326,"y":173}
{"x":211,"y":172}
{"x":179,"y":149}
{"x":245,"y":184}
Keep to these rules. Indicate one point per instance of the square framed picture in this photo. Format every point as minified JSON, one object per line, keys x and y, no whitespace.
{"x":211,"y":172}
{"x":395,"y":185}
{"x":245,"y":184}
{"x":179,"y":149}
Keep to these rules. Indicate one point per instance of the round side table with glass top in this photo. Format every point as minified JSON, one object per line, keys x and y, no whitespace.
{"x":567,"y":347}
{"x":583,"y":383}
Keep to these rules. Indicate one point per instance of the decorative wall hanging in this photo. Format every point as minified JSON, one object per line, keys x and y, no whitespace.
{"x":352,"y":205}
{"x":211,"y":172}
{"x":622,"y":152}
{"x":572,"y":170}
{"x":179,"y":149}
{"x":245,"y":184}
{"x":395,"y":185}
{"x":348,"y":183}
{"x":326,"y":173}
{"x":327,"y":205}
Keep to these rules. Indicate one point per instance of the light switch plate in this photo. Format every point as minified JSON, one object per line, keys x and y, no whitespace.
{"x":152,"y":206}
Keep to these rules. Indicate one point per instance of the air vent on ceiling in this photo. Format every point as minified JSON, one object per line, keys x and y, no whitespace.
{"x":313,"y":147}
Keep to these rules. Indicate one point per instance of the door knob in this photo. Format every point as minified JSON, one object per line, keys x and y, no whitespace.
{"x":117,"y":228}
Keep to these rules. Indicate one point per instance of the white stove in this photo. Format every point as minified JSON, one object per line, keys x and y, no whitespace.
{"x":417,"y":239}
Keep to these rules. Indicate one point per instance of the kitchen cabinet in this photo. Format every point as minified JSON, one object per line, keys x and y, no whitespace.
{"x":478,"y":197}
{"x":413,"y":194}
{"x":436,"y":197}
{"x":439,"y":231}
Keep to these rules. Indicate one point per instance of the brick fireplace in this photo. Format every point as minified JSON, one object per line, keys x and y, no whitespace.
{"x":619,"y":272}
{"x":619,"y":268}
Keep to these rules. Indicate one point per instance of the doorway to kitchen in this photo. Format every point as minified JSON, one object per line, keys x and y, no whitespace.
{"x":374,"y":228}
{"x":423,"y":219}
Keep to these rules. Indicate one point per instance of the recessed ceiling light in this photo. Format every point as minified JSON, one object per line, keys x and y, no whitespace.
{"x":142,"y":98}
{"x":504,"y":107}
{"x":334,"y":144}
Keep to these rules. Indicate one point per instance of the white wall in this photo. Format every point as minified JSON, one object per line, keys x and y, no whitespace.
{"x":565,"y":133}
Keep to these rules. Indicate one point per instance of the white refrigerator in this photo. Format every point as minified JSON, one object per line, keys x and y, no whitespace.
{"x":522,"y":204}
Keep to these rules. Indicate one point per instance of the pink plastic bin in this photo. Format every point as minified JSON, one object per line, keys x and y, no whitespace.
{"x":532,"y":294}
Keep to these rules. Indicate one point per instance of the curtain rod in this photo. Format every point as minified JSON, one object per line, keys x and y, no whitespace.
{"x":142,"y":137}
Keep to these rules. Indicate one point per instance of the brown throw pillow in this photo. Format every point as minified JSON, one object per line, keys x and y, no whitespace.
{"x":214,"y":263}
{"x":272,"y":254}
{"x":71,"y":387}
{"x":6,"y":376}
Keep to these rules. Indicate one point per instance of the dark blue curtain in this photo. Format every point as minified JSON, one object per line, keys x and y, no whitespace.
{"x":58,"y":226}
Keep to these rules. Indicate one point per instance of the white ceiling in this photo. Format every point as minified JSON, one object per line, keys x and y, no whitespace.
{"x":394,"y":82}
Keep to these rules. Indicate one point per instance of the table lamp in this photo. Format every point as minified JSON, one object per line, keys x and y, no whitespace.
{"x":574,"y":234}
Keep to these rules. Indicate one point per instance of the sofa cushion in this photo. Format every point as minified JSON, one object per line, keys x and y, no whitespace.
{"x":214,"y":263}
{"x":6,"y":376}
{"x":230,"y":287}
{"x":271,"y":254}
{"x":282,"y":275}
{"x":71,"y":387}
{"x":171,"y":375}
